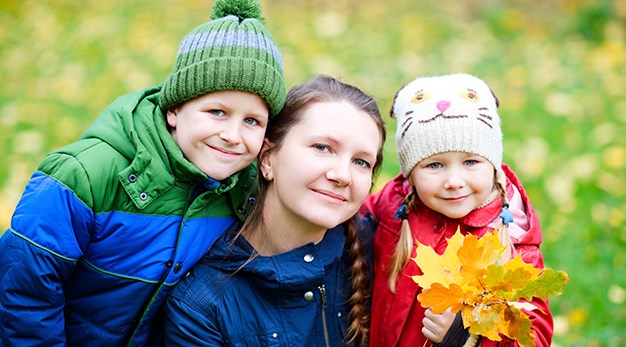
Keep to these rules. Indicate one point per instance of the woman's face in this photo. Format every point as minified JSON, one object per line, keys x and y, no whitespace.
{"x":323,"y":170}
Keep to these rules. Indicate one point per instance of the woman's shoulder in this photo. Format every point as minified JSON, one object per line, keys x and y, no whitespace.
{"x":203,"y":286}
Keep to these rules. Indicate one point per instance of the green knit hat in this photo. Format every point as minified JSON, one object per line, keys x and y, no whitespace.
{"x":233,"y":51}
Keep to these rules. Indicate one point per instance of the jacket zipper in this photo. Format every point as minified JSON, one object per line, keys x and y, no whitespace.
{"x":322,"y":289}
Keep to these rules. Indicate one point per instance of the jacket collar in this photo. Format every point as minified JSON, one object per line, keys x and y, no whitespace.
{"x":286,"y":271}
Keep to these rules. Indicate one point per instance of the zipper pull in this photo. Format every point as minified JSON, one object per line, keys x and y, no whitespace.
{"x":322,"y":289}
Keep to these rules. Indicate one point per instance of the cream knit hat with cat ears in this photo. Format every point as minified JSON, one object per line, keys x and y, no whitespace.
{"x":447,"y":113}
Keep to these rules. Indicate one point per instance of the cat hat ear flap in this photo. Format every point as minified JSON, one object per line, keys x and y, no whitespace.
{"x":447,"y":113}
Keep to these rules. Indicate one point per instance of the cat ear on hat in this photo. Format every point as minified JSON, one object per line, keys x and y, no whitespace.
{"x":393,"y":102}
{"x":495,"y":97}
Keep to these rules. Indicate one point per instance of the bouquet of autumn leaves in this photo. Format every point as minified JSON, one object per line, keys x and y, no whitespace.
{"x":471,"y":277}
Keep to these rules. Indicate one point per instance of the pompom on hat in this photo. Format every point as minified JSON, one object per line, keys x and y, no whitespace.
{"x":233,"y":51}
{"x":447,"y":113}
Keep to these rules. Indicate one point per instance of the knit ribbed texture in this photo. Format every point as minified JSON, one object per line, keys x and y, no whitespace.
{"x":447,"y":113}
{"x":227,"y":53}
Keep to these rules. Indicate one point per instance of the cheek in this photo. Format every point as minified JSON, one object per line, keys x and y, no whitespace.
{"x":362,"y":186}
{"x":254,"y":142}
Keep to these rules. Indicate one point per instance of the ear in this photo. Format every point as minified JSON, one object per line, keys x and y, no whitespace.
{"x":266,"y":160}
{"x":171,"y":117}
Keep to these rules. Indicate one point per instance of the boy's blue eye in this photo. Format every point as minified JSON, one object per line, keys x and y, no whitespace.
{"x":216,"y":112}
{"x":251,"y":121}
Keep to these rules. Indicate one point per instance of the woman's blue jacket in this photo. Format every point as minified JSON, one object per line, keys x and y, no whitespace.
{"x":297,"y":298}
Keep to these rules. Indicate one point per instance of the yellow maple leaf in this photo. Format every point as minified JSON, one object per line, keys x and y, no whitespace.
{"x":443,"y":269}
{"x":470,"y":277}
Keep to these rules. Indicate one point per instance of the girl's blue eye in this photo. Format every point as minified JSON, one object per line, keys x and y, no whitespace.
{"x":434,"y":165}
{"x":471,"y":162}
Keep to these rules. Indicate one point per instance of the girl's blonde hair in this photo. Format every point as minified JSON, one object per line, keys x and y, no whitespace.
{"x":404,"y":247}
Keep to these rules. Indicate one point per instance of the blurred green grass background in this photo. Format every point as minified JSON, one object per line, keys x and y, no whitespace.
{"x":558,"y":68}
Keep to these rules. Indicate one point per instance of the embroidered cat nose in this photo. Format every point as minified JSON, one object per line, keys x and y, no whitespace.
{"x":443,"y":105}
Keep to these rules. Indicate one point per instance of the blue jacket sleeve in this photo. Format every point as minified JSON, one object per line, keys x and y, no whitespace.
{"x":49,"y":231}
{"x":184,"y":326}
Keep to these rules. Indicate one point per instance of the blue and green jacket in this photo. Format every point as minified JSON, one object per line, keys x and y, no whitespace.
{"x":105,"y":228}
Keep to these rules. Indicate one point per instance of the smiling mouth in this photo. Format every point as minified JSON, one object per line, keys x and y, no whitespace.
{"x":331,"y":196}
{"x":456,"y":199}
{"x":224,"y":151}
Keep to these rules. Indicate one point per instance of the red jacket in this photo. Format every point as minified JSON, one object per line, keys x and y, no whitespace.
{"x":397,"y":318}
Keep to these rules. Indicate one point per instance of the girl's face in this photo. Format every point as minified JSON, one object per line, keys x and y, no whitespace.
{"x":323,"y":170}
{"x":453,"y":183}
{"x":220,"y":132}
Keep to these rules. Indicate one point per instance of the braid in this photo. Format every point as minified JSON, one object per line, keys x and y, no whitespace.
{"x":359,"y":315}
{"x":402,"y":253}
{"x":503,"y":231}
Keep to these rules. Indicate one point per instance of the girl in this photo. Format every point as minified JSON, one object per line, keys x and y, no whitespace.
{"x":450,"y":152}
{"x":294,"y":274}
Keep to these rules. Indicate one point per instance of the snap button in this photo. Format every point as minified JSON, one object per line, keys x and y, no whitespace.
{"x":275,"y":335}
{"x":308,"y":296}
{"x":132,"y":178}
{"x":308,"y":258}
{"x":251,"y":200}
{"x":168,"y":264}
{"x":339,"y":314}
{"x":177,"y":267}
{"x":143,"y":196}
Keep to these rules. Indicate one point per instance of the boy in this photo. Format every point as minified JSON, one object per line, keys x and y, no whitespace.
{"x":108,"y":224}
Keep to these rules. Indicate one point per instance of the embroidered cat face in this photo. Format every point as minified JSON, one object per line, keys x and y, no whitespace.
{"x":443,"y":114}
{"x":450,"y":102}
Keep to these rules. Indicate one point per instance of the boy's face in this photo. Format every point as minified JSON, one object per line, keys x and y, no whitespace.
{"x":220,"y":132}
{"x":453,"y":183}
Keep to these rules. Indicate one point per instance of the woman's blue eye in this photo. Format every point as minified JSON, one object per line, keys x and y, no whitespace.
{"x":363,"y":163}
{"x":321,"y":147}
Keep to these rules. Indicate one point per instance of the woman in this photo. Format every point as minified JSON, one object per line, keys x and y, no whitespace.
{"x":295,"y":273}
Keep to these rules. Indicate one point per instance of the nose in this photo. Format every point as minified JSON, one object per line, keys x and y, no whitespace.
{"x":454,"y":180}
{"x":340,"y":174}
{"x":231,"y":133}
{"x":443,"y":105}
